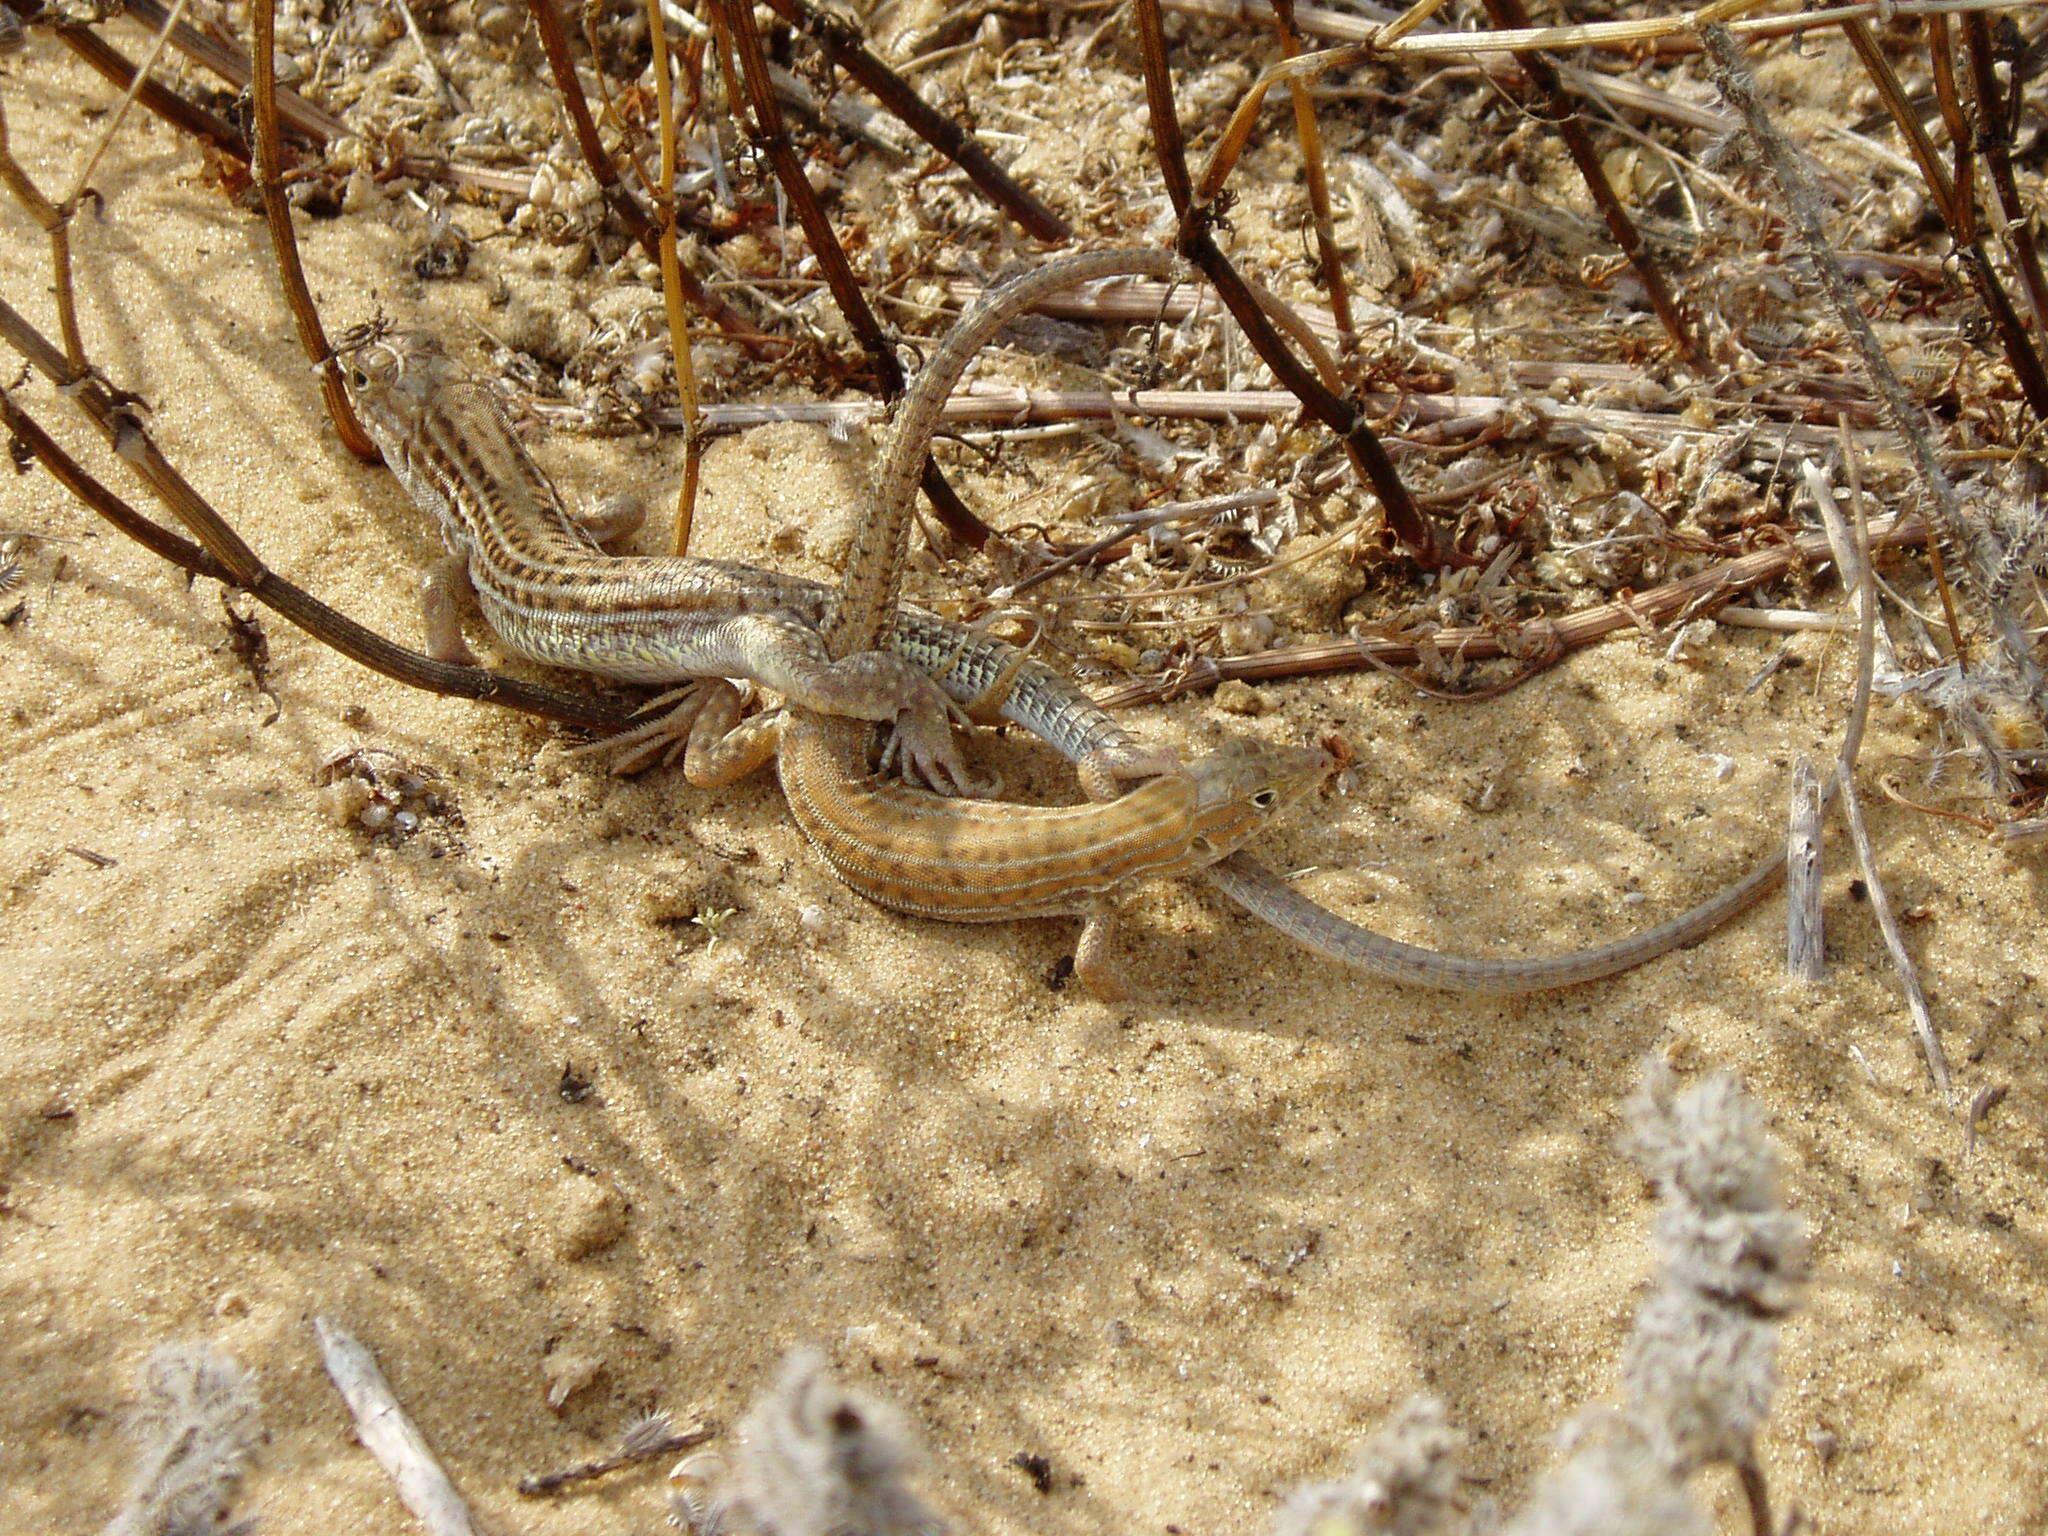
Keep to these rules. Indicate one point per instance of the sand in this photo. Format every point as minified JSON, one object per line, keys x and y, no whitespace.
{"x":613,"y":1073}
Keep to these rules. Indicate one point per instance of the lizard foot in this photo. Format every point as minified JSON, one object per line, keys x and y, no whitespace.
{"x":666,"y":736}
{"x":922,"y":747}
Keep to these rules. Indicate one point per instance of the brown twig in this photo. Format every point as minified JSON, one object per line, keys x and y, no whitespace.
{"x":56,"y":222}
{"x":284,"y":241}
{"x":1941,"y":66}
{"x":1802,"y":203}
{"x":1317,"y":177}
{"x":640,"y":224}
{"x":157,"y":97}
{"x":740,"y":42}
{"x":542,"y":1484}
{"x":1550,"y":639}
{"x":224,"y":556}
{"x":841,"y":42}
{"x":1571,"y":128}
{"x":1196,"y":242}
{"x":1957,"y":207}
{"x":1996,"y":119}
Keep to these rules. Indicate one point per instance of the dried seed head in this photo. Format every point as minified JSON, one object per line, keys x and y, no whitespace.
{"x":1707,"y":1145}
{"x":814,"y":1459}
{"x":1403,"y":1483}
{"x":194,"y":1427}
{"x":1611,"y":1485}
{"x":1699,"y":1375}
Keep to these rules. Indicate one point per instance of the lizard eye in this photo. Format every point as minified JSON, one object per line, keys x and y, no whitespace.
{"x":1266,"y":799}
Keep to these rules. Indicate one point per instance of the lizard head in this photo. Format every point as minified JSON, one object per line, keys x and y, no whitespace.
{"x":1242,"y":788}
{"x":391,"y":376}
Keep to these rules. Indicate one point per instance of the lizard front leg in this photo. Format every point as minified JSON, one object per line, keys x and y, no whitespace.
{"x":446,"y":593}
{"x":789,"y":656}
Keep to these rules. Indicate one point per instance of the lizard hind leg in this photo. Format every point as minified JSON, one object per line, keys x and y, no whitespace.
{"x":693,"y":720}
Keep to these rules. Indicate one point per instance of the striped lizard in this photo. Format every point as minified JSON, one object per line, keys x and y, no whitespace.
{"x":840,"y":811}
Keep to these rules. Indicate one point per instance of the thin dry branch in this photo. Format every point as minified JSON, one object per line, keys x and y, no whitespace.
{"x":841,"y":42}
{"x":740,"y":43}
{"x":227,"y":558}
{"x":284,"y":240}
{"x":387,"y":1434}
{"x":1197,"y":243}
{"x":1956,"y":203}
{"x":1571,"y":129}
{"x":1802,"y":203}
{"x":1537,"y":644}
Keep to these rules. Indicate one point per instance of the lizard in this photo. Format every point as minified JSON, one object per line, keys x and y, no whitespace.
{"x":820,"y":773}
{"x":547,"y":588}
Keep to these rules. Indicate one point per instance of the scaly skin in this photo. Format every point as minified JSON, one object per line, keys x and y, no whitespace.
{"x":986,"y":861}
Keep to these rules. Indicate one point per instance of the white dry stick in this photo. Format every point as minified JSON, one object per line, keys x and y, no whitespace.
{"x":1803,"y":924}
{"x":1848,"y":559}
{"x":1782,"y":620}
{"x":1852,"y":558}
{"x":391,"y":1437}
{"x":2024,"y":836}
{"x":1909,"y":977}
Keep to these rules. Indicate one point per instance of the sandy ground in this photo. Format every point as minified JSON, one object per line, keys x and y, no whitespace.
{"x":1186,"y":1251}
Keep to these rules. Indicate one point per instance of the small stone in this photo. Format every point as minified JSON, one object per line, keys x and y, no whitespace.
{"x":593,"y":1217}
{"x":567,"y":1374}
{"x":1238,"y":697}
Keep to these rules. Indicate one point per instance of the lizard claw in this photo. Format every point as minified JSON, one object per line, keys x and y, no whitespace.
{"x":922,"y":747}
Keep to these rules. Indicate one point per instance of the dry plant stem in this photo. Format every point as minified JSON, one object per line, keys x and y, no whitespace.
{"x":617,"y":196}
{"x":739,"y":40}
{"x":1318,"y":180}
{"x":1168,"y":145}
{"x":226,"y":558}
{"x":1571,"y":128}
{"x":1802,"y":203}
{"x":1663,"y":37}
{"x":1406,"y":521}
{"x":672,"y":289}
{"x":227,"y":61}
{"x":164,"y":102}
{"x":112,"y":124}
{"x":56,"y":223}
{"x":542,"y":1484}
{"x":1756,"y":1495}
{"x":1852,"y":559}
{"x":1187,"y":511}
{"x":1805,"y":958}
{"x":1003,"y":406}
{"x":284,"y":242}
{"x":1957,"y":207}
{"x":1941,"y":68}
{"x":387,"y":1434}
{"x":1997,"y":115}
{"x":1902,"y":960}
{"x":842,"y":44}
{"x":1544,"y":642}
